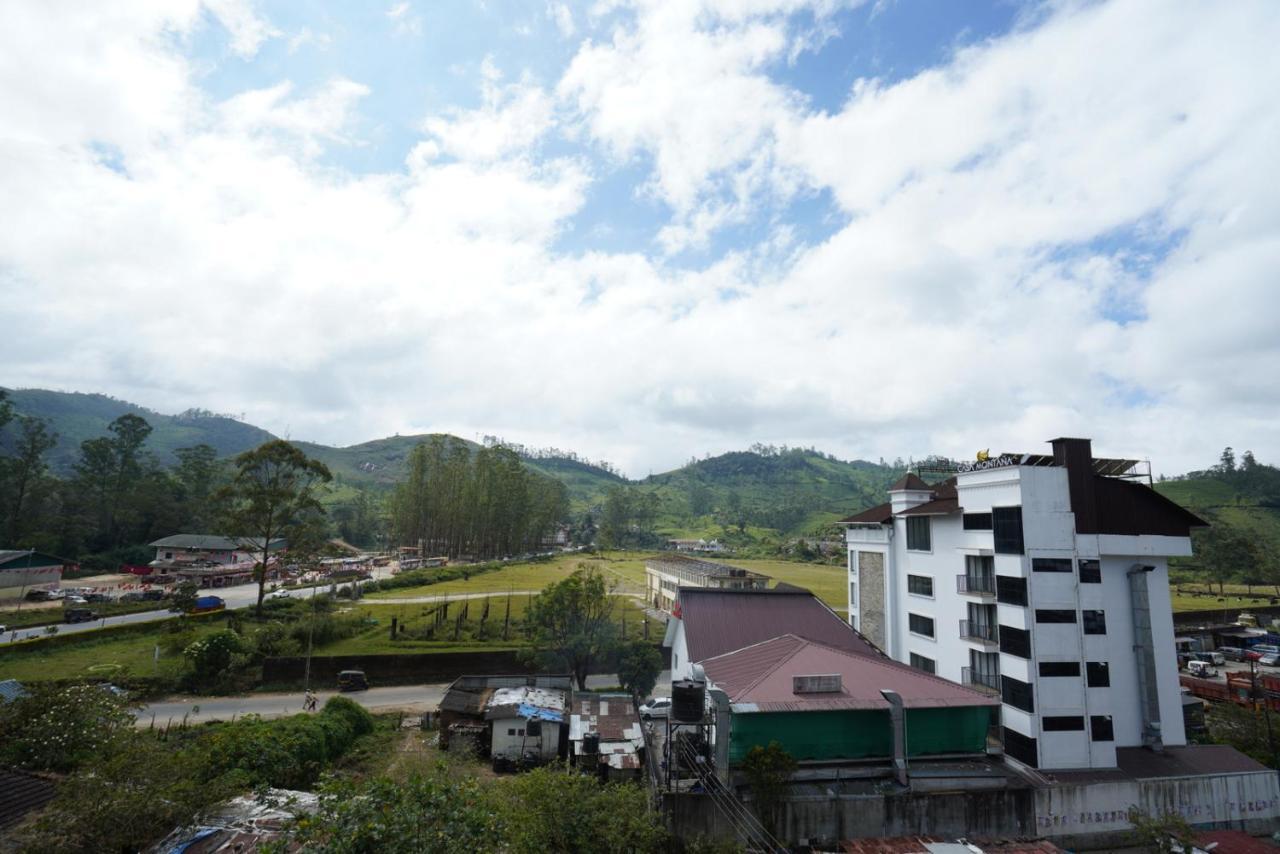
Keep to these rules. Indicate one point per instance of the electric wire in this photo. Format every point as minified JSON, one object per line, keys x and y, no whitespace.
{"x":728,"y":803}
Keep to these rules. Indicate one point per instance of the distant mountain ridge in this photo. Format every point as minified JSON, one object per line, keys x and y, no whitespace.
{"x":785,"y":490}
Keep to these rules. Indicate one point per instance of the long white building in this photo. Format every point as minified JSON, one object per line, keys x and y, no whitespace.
{"x":1043,"y":578}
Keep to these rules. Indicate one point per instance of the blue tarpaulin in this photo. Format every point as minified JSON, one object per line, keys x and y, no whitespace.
{"x":535,"y":713}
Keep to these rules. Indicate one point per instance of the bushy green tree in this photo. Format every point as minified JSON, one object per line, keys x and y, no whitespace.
{"x":211,"y":656}
{"x":768,"y":771}
{"x":551,"y":809}
{"x":569,"y":623}
{"x":639,"y":664}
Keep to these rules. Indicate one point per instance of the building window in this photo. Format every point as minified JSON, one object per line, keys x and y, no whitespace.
{"x":920,"y":585}
{"x":1021,"y":748}
{"x":1006,"y":522}
{"x":1100,"y":728}
{"x":1051,"y":564}
{"x":1055,"y":615}
{"x":1016,"y":693}
{"x":1090,"y":572}
{"x":511,"y":731}
{"x":977,"y":521}
{"x":920,"y":625}
{"x":919,"y":662}
{"x":918,"y":533}
{"x":1015,"y":642}
{"x":1097,"y":674}
{"x":1095,"y":622}
{"x":1059,"y":668}
{"x":1011,"y":590}
{"x":1063,"y":723}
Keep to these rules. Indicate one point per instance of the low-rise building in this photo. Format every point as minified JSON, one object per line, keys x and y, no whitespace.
{"x":665,"y":574}
{"x":211,"y":560}
{"x":515,"y":719}
{"x":27,"y":569}
{"x":605,"y":735}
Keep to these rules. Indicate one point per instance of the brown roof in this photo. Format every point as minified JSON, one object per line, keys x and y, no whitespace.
{"x":1138,"y":763}
{"x":1233,"y":842}
{"x":881,"y":514}
{"x":761,"y":675}
{"x":611,"y":715}
{"x":910,"y":480}
{"x":1132,"y":508}
{"x":937,"y":507}
{"x":720,"y":621}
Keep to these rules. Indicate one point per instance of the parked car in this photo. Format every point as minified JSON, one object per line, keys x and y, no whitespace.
{"x":1270,"y":659}
{"x":1217,"y":659}
{"x":352,"y":680}
{"x":41,"y":595}
{"x":74,"y":599}
{"x":1231,"y":653}
{"x":3,"y":629}
{"x":206,"y":604}
{"x":98,"y":597}
{"x":79,"y":615}
{"x":1203,"y":669}
{"x":656,"y":707}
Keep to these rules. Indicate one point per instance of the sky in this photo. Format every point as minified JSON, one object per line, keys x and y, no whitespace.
{"x":648,"y":231}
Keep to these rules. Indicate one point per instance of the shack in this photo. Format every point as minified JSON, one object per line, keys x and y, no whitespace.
{"x":605,"y":736}
{"x":482,"y":709}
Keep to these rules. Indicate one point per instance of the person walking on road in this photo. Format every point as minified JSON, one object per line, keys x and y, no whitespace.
{"x":309,"y":702}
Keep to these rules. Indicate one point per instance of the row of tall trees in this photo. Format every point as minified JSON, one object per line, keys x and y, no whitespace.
{"x":483,"y":503}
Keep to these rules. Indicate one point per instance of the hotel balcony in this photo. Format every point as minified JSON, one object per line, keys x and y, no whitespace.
{"x":976,"y":585}
{"x":985,"y":682}
{"x":983,"y":633}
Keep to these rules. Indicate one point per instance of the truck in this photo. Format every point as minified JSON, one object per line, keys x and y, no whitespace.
{"x":207,"y":604}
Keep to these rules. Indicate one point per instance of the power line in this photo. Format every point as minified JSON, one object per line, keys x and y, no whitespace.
{"x":728,"y":803}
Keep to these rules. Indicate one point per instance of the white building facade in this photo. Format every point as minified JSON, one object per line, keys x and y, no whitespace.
{"x":1043,"y":579}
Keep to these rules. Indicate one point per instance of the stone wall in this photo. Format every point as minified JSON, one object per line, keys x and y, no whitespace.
{"x":871,"y":597}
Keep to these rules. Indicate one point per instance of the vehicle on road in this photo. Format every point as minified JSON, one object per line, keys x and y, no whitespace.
{"x":208,"y":604}
{"x":278,"y":594}
{"x":352,"y":680}
{"x":1217,"y":659}
{"x":3,"y":629}
{"x":43,"y":595}
{"x":1232,"y":653}
{"x":656,"y":707}
{"x":1203,"y":669}
{"x":1270,"y":659}
{"x":98,"y":597}
{"x":79,"y":615}
{"x":74,"y":599}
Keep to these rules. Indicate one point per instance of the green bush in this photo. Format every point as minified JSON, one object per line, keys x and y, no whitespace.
{"x":58,"y":728}
{"x":211,"y":656}
{"x":356,"y":715}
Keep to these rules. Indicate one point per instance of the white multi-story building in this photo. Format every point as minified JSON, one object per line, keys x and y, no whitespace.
{"x":1043,"y":579}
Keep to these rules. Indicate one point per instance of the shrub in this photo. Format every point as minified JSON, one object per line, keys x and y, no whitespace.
{"x":61,"y":728}
{"x":211,"y":655}
{"x":356,"y":715}
{"x":549,"y":809}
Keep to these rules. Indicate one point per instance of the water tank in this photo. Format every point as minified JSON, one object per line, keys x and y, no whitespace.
{"x":590,"y":743}
{"x":687,"y":700}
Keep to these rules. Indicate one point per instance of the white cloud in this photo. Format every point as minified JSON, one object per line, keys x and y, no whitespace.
{"x":248,"y":28}
{"x":562,"y":16}
{"x":403,"y":19}
{"x":184,"y":251}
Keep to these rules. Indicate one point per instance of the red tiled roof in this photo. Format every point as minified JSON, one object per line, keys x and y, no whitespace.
{"x":762,"y":675}
{"x":1234,"y":842}
{"x":720,"y":621}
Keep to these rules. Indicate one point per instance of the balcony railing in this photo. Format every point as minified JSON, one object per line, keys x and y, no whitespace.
{"x":976,"y":585}
{"x":980,"y":680}
{"x":985,"y":632}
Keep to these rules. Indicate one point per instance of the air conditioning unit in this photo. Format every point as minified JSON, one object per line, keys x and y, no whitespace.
{"x":822,"y":683}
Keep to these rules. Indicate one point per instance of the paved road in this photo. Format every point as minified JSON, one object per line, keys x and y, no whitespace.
{"x":240,"y":596}
{"x":409,"y":698}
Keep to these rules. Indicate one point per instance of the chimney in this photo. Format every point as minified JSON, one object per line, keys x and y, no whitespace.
{"x":1076,"y":455}
{"x":898,"y":720}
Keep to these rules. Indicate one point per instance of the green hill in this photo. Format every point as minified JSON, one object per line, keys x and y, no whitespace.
{"x":1246,"y":499}
{"x":76,"y":417}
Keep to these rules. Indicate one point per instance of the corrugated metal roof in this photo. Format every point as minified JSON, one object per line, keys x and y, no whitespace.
{"x":1138,"y":763}
{"x":21,"y":794}
{"x":25,"y":558}
{"x":720,"y":621}
{"x":761,"y":676}
{"x":10,"y":690}
{"x":212,"y":542}
{"x":1134,"y":509}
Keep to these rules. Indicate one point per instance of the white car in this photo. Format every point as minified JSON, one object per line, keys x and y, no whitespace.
{"x":1270,"y":659}
{"x":278,"y":594}
{"x":658,"y":707}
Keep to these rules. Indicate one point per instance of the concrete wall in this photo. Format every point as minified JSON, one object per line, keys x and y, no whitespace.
{"x":1090,"y":816}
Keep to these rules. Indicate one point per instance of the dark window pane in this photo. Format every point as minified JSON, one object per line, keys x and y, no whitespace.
{"x":920,"y":625}
{"x":1021,"y":748}
{"x":1015,"y":641}
{"x":1059,"y":668}
{"x":1063,"y":723}
{"x":1051,"y":564}
{"x":1100,"y":728}
{"x":1017,"y":694}
{"x":918,"y":533}
{"x":1097,"y":674}
{"x":1095,"y":622}
{"x":921,"y":585}
{"x":977,"y":521}
{"x":1053,"y":615}
{"x":921,"y":663}
{"x":1006,"y":522}
{"x":1090,"y":572}
{"x":1011,"y":590}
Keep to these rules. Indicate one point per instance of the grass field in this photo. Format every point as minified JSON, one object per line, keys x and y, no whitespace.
{"x":1185,"y":596}
{"x":132,"y":655}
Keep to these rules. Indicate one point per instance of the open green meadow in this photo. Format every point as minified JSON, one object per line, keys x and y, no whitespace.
{"x":96,"y":656}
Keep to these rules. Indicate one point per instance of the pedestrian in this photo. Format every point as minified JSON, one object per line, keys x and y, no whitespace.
{"x":309,"y":702}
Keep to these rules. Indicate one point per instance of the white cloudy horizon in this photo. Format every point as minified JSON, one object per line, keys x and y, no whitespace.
{"x":648,"y":230}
